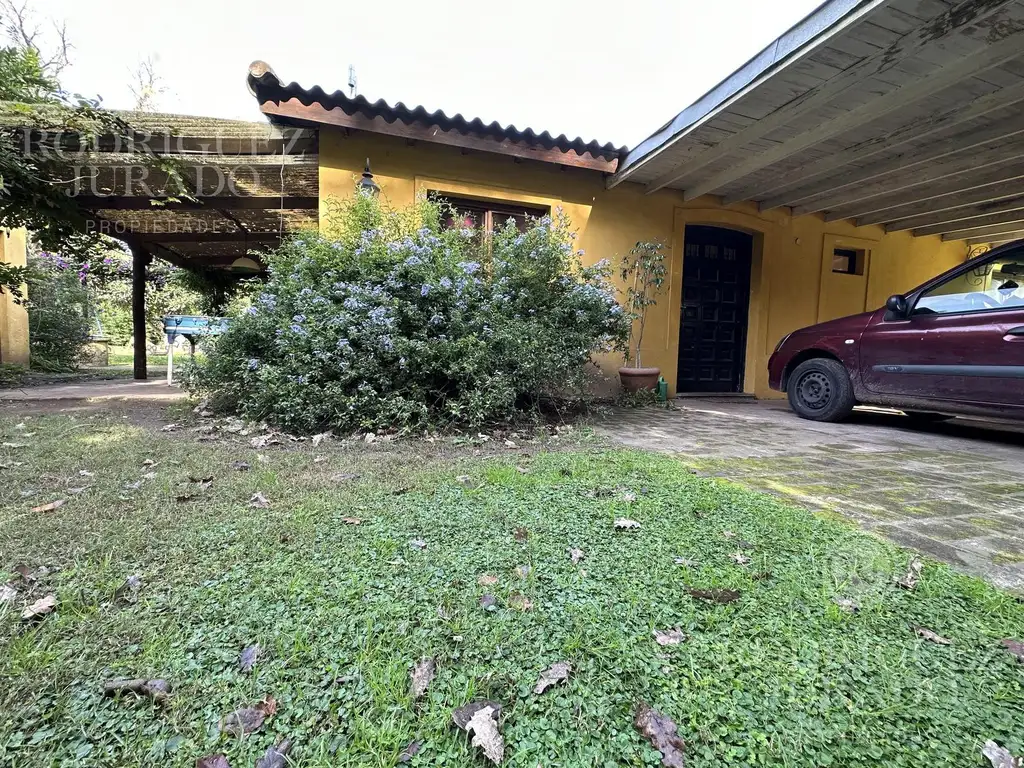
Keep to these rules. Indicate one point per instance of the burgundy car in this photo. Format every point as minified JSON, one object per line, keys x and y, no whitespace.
{"x":954,"y":345}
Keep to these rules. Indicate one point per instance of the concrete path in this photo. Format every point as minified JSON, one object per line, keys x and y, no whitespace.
{"x":111,"y":389}
{"x":953,"y":490}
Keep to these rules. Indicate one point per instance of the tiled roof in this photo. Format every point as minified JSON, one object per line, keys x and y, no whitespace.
{"x":266,"y":86}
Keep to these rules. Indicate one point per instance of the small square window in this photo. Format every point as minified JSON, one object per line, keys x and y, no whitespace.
{"x":848,"y":261}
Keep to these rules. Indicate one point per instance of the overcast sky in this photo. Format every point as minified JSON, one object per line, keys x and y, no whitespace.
{"x":567,"y":66}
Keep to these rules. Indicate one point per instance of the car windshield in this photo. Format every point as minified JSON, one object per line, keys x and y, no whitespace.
{"x":997,"y":284}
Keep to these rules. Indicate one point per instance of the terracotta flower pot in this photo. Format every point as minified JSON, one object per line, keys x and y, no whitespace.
{"x":635,"y":379}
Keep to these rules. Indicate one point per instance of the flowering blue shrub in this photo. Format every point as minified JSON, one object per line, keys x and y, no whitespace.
{"x":388,"y":320}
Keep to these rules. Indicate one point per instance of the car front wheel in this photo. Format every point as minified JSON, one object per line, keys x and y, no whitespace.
{"x":820,"y":390}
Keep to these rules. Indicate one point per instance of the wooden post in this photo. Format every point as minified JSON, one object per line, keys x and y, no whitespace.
{"x":140,"y":260}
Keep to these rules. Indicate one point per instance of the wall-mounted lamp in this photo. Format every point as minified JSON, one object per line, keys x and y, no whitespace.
{"x":367,"y":185}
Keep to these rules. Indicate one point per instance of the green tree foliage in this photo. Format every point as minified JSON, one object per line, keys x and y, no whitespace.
{"x":392,"y":321}
{"x":43,"y":130}
{"x":58,"y":316}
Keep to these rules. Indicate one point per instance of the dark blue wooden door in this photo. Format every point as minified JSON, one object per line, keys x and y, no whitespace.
{"x":713,"y":319}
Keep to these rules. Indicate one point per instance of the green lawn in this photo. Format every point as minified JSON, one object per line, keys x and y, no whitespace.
{"x":782,"y":676}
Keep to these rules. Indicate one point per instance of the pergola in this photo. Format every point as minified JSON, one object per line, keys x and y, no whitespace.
{"x":231,"y":189}
{"x":902,"y":113}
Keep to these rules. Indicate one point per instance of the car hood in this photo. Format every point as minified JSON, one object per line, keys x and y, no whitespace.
{"x":850,"y":325}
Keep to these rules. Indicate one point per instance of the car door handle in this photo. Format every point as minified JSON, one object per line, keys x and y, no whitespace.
{"x":1018,"y":331}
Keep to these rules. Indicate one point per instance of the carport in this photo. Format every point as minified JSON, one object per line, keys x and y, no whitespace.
{"x":903,"y":113}
{"x":230,"y":190}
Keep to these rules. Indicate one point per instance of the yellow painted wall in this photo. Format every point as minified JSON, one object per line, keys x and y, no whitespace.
{"x":792,"y":284}
{"x":13,"y":318}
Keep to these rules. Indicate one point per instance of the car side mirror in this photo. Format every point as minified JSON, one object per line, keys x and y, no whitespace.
{"x":897,"y":305}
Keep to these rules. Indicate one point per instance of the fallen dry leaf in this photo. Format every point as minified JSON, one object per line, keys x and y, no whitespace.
{"x":846,"y":604}
{"x":910,"y":578}
{"x":486,"y":580}
{"x":522,"y":535}
{"x":156,"y":689}
{"x":248,"y":719}
{"x":556,"y":673}
{"x":147,"y":463}
{"x":522,"y":571}
{"x":24,"y":572}
{"x":522,"y":470}
{"x":240,"y":466}
{"x":8,"y":594}
{"x":510,"y":444}
{"x":317,"y":439}
{"x":927,"y":634}
{"x":484,"y":727}
{"x":576,"y":555}
{"x":421,"y":676}
{"x":39,"y":608}
{"x":520,"y":602}
{"x":624,"y":523}
{"x":489,"y":603}
{"x":662,"y":734}
{"x":262,"y":441}
{"x":351,"y":521}
{"x":410,"y":751}
{"x":740,"y":558}
{"x":168,"y":427}
{"x":204,"y":483}
{"x":685,"y":561}
{"x":729,"y":534}
{"x":418,"y":544}
{"x":86,"y":473}
{"x":259,"y":500}
{"x":51,"y":506}
{"x":1000,"y":757}
{"x":275,"y":756}
{"x":213,"y":761}
{"x":248,"y":657}
{"x":721,"y":596}
{"x":129,"y":590}
{"x":462,"y":715}
{"x":669,"y":636}
{"x":1016,"y":647}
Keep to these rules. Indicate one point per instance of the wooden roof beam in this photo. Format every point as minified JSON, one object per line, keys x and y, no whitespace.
{"x":995,"y":230}
{"x":960,"y":216}
{"x":964,"y":228}
{"x":793,"y":187}
{"x":205,"y":237}
{"x":974,"y":149}
{"x":955,"y":193}
{"x":207,"y":203}
{"x":1002,"y":239}
{"x":951,"y":22}
{"x":988,"y":57}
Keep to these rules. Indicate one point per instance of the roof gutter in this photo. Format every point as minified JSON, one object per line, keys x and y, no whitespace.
{"x":809,"y":34}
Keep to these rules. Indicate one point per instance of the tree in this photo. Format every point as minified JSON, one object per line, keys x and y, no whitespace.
{"x":147,"y":85}
{"x":37,"y":120}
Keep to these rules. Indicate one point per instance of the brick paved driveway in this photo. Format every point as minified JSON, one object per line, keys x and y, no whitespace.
{"x":953,"y":490}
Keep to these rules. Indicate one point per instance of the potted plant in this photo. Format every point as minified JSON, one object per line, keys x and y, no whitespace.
{"x":643,"y":271}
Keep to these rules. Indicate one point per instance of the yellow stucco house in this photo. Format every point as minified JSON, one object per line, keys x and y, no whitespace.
{"x":872,"y":146}
{"x":13,"y":317}
{"x":779,"y":208}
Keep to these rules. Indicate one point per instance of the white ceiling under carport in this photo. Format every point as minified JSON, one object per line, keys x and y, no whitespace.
{"x":904,"y":113}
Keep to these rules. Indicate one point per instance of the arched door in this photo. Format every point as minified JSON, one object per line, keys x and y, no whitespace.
{"x":713,"y":317}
